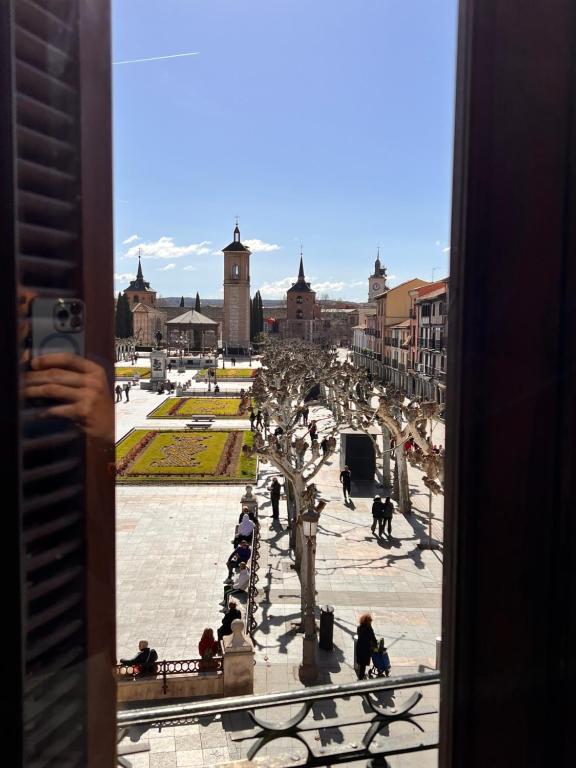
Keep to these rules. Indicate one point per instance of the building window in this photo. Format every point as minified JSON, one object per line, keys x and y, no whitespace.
{"x":135,"y":300}
{"x":299,"y":300}
{"x":235,"y":271}
{"x":299,"y":314}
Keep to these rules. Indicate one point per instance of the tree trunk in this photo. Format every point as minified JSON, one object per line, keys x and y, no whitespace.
{"x":386,"y":478}
{"x":401,"y":486}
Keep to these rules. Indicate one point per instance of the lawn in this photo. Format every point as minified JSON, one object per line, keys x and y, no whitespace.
{"x":127,"y":371}
{"x":179,"y":457}
{"x":184,"y":407}
{"x":229,"y":373}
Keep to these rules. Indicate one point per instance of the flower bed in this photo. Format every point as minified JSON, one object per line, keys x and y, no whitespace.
{"x":170,"y":456}
{"x":229,"y":373}
{"x":185,"y":407}
{"x":128,"y":371}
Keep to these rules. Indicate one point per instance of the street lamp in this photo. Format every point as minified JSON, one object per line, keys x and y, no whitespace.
{"x":308,"y":671}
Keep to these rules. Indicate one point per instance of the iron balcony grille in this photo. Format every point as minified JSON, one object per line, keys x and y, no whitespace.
{"x":406,"y":725}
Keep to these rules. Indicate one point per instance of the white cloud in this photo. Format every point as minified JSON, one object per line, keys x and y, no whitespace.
{"x":391,"y":278}
{"x":259,"y":246}
{"x":328,"y":286}
{"x":123,"y":277}
{"x":358,"y":284}
{"x":189,"y":268}
{"x":277,"y":289}
{"x":166,"y":268}
{"x":165,"y":248}
{"x":446,"y":250}
{"x":131,"y":239}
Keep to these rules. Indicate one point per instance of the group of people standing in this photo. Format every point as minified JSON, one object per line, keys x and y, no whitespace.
{"x":259,"y":420}
{"x":119,"y":389}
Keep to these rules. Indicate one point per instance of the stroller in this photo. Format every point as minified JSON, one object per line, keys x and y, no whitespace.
{"x":380,"y":661}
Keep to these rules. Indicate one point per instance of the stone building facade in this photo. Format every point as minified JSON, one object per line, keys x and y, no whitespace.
{"x":303,"y":319}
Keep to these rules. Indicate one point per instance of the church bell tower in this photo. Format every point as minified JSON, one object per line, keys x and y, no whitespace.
{"x":236,"y":321}
{"x":377,"y":281}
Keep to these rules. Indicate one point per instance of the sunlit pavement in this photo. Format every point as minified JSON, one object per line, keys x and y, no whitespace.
{"x":172,"y":543}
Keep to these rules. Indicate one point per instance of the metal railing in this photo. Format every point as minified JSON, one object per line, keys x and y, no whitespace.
{"x":251,"y":604}
{"x":163,"y":669}
{"x":328,"y":738}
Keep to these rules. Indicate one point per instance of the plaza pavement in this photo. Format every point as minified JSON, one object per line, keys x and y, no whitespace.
{"x":172,"y":543}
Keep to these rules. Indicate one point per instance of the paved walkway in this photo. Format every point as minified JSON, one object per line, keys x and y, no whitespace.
{"x":171,"y":546}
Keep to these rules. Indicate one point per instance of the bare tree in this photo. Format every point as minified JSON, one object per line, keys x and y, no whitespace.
{"x":292,"y":378}
{"x":356,"y":401}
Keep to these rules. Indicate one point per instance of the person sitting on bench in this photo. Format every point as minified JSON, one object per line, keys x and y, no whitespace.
{"x":240,"y":583}
{"x":226,"y":627}
{"x":245,"y":530}
{"x":240,"y":555}
{"x":143,"y":662}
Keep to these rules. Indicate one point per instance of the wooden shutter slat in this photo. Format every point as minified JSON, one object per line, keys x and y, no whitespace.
{"x":45,"y":88}
{"x":43,"y":442}
{"x":41,"y":117}
{"x":43,"y":21}
{"x":40,"y":264}
{"x":41,"y":531}
{"x":34,"y":50}
{"x":47,"y":500}
{"x":61,"y":580}
{"x":53,"y":611}
{"x":49,"y":641}
{"x":34,"y":237}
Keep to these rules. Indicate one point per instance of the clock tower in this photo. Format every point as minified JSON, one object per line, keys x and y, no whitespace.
{"x":377,"y":281}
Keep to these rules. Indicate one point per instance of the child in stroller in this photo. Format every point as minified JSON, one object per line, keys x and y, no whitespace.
{"x":381,"y":661}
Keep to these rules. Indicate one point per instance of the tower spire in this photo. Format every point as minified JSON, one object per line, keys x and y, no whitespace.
{"x":139,"y":275}
{"x":301,"y":277}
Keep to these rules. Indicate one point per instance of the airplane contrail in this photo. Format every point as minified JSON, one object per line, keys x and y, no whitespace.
{"x":157,"y":58}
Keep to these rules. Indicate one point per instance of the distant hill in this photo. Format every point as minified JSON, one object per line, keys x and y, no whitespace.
{"x":189,"y":301}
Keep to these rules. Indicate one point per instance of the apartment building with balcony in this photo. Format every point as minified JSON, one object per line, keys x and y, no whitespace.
{"x":393,"y":309}
{"x":365,"y":345}
{"x":429,"y":338}
{"x":398,"y":343}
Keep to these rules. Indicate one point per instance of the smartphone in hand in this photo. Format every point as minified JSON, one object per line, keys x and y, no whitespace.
{"x":57,"y":325}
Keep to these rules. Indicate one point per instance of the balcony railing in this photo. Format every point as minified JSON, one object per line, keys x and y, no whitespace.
{"x":251,"y":603}
{"x":164,"y":669}
{"x":394,"y":716}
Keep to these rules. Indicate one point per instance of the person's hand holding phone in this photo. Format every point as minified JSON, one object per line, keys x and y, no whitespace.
{"x":80,"y":388}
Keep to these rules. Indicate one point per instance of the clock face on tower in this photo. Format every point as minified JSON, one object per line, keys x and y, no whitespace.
{"x":375,"y":286}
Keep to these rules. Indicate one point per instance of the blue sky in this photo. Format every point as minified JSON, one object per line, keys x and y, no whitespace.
{"x":317,"y":121}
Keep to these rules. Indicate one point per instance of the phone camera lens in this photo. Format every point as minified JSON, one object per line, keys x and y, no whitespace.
{"x":62,"y":315}
{"x":76,"y":308}
{"x":75,"y":322}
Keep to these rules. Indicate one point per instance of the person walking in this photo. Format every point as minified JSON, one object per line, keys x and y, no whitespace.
{"x":259,"y":424}
{"x":127,"y":391}
{"x":305,"y":412}
{"x":313,"y":431}
{"x":234,"y":362}
{"x":324,"y":446}
{"x":118,"y":391}
{"x":366,"y":644}
{"x":378,"y":515}
{"x":252,"y":418}
{"x":387,"y":512}
{"x":266,"y":420}
{"x":346,"y":479}
{"x":275,"y":491}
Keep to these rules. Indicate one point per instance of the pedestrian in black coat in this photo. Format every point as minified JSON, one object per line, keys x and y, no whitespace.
{"x":365,"y":644}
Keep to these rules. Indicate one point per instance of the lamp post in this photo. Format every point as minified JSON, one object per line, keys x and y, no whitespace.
{"x":308,"y":671}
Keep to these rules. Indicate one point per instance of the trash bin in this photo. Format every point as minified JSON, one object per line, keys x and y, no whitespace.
{"x":326,"y":641}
